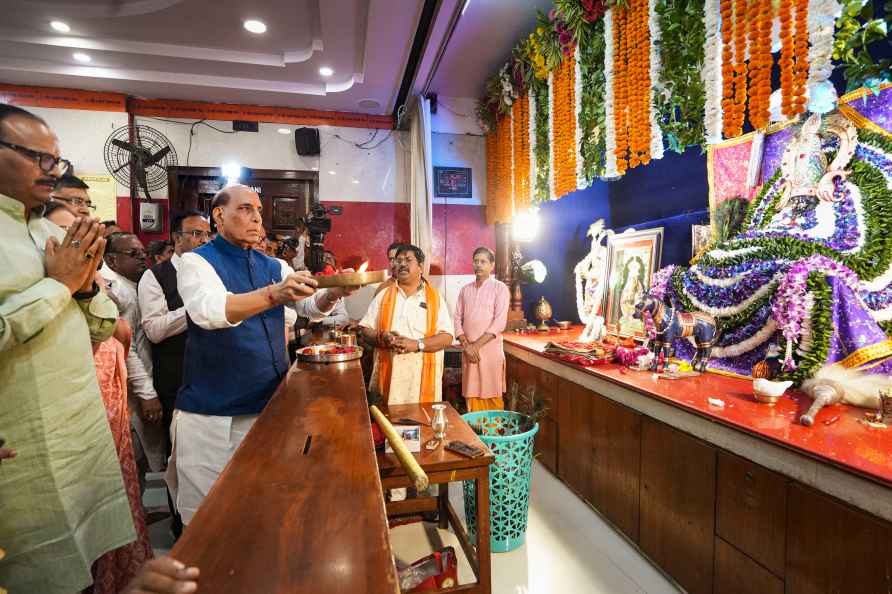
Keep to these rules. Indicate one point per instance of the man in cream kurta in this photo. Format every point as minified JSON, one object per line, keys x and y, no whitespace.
{"x":409,"y":337}
{"x":62,"y":500}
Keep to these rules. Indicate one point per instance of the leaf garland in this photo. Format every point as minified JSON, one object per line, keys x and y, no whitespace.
{"x":592,"y":113}
{"x":821,"y":331}
{"x":860,"y":34}
{"x":681,"y":92}
{"x":542,"y":190}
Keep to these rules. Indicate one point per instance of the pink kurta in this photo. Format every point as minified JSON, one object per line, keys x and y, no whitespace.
{"x":480,"y":310}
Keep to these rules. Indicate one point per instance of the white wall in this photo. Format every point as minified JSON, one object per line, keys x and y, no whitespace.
{"x":456,"y":115}
{"x":462,"y":150}
{"x":380,"y":173}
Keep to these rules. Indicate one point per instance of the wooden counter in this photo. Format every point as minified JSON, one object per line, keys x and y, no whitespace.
{"x":300,"y":507}
{"x":737,"y":499}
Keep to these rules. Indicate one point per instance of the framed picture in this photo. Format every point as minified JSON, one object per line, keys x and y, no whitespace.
{"x":701,"y":235}
{"x":452,"y":182}
{"x":632,"y":259}
{"x":286,"y":212}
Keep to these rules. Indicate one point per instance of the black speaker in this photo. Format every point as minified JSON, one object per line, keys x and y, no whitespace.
{"x":307,"y":141}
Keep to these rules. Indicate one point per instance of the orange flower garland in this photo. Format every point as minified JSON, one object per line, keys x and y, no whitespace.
{"x":640,"y":57}
{"x":794,"y":56}
{"x":726,"y":8}
{"x":563,"y":142}
{"x":521,"y":149}
{"x":800,"y":68}
{"x":499,"y":198}
{"x":620,"y":87}
{"x":735,"y":119}
{"x":761,"y":13}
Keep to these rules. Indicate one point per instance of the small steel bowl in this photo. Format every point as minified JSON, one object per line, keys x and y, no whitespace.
{"x":564,"y":325}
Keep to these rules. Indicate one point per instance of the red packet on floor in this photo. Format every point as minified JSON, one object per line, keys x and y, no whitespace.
{"x":436,"y":571}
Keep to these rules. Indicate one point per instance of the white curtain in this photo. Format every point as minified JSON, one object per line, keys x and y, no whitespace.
{"x":421,"y":188}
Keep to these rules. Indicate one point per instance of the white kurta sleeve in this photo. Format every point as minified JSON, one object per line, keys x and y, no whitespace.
{"x":157,"y":321}
{"x":203,"y":293}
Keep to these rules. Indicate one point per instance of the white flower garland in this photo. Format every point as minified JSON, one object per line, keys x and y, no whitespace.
{"x":531,"y":97}
{"x":721,"y":254}
{"x":745,"y":346}
{"x":577,"y":96}
{"x":656,"y":134}
{"x":551,"y":192}
{"x":610,"y":170}
{"x":721,"y":282}
{"x":731,"y":310}
{"x":805,"y":336}
{"x":879,"y":283}
{"x":712,"y":72}
{"x":821,"y":22}
{"x":882,"y":315}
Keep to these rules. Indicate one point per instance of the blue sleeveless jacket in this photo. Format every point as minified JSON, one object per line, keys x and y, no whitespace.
{"x":234,"y":371}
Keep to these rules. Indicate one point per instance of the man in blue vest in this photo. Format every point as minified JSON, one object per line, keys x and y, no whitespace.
{"x":236,"y":354}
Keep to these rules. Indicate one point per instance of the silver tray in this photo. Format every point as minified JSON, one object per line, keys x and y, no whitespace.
{"x":313,"y":354}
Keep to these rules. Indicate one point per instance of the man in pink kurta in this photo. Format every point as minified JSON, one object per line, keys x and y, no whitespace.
{"x":480,"y":317}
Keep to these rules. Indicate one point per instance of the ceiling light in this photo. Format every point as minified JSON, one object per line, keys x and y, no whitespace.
{"x":355,"y":181}
{"x":60,"y":26}
{"x":369,"y":104}
{"x":284,"y":131}
{"x":80,"y":57}
{"x":332,"y":172}
{"x":315,"y":168}
{"x":255,"y":26}
{"x":326,"y":71}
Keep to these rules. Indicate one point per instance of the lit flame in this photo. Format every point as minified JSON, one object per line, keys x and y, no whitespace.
{"x":363,"y":267}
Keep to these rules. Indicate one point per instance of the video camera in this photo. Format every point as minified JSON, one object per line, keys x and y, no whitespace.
{"x":318,"y":224}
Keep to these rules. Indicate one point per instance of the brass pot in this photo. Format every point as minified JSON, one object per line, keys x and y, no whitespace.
{"x":543,"y":312}
{"x":347,"y":339}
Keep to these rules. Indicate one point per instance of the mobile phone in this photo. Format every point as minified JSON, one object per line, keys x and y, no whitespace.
{"x":460,"y":447}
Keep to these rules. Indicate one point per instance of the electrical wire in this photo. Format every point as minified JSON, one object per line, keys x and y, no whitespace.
{"x":192,"y":126}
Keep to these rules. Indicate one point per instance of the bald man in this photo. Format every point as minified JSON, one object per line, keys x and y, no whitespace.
{"x":235,"y":297}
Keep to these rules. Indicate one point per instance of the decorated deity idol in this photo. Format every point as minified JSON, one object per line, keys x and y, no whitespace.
{"x":590,"y":274}
{"x":811,"y":268}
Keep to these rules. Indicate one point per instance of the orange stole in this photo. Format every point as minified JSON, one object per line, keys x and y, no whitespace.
{"x":384,"y":357}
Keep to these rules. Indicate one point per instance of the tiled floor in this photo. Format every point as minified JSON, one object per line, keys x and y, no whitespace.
{"x":569,"y":548}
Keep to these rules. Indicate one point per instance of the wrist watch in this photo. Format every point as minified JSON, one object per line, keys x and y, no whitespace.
{"x":81,"y":295}
{"x":420,"y":346}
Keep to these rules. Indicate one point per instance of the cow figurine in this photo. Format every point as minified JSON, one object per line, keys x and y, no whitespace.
{"x":669,"y":324}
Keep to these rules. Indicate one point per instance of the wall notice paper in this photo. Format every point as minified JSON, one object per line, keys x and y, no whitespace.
{"x":104,"y":194}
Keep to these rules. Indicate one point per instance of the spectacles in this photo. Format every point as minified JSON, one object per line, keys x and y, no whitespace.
{"x":45,"y":161}
{"x":404,"y":261}
{"x":196,"y":233}
{"x":135,"y":254}
{"x":75,"y":201}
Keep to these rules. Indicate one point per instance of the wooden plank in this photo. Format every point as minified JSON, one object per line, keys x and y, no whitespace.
{"x":280,"y":519}
{"x":575,"y":438}
{"x":833,"y":548}
{"x":616,"y":463}
{"x":735,"y":573}
{"x":546,"y":445}
{"x":751,"y":510}
{"x":678,"y":504}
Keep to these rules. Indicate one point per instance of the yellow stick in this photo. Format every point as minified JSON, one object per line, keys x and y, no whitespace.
{"x":407,"y":460}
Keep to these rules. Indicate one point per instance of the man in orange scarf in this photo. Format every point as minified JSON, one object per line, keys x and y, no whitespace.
{"x":409,"y":325}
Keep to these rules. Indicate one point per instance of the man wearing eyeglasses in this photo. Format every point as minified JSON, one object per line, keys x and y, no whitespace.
{"x":63,"y":499}
{"x":409,"y":324}
{"x":71,"y":192}
{"x":126,"y":262}
{"x":164,"y":319}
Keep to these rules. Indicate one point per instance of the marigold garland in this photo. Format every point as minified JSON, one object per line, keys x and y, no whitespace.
{"x":728,"y":108}
{"x":620,"y":88}
{"x":761,"y":14}
{"x":499,"y":159}
{"x":736,"y":116}
{"x":563,"y":141}
{"x":794,"y":56}
{"x":521,"y":149}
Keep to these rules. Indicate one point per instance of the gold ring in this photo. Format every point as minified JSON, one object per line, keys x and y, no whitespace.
{"x":88,"y":256}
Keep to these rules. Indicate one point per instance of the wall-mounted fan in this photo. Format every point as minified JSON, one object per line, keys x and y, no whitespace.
{"x":146,"y":159}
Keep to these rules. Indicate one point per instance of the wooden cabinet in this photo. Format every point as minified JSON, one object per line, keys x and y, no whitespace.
{"x":751,"y":510}
{"x":616,"y":463}
{"x":526,"y":376}
{"x":677,"y":528}
{"x":834,"y":549}
{"x":575,"y":440}
{"x":735,"y":573}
